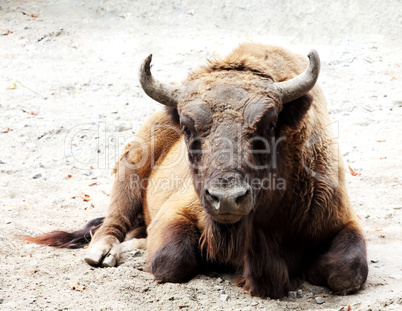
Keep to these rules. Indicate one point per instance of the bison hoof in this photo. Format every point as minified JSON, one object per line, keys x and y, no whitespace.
{"x":104,"y":253}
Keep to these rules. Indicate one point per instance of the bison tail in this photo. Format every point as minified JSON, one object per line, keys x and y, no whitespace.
{"x":63,"y":239}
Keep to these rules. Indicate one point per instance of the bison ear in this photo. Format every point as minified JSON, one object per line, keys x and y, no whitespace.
{"x":294,"y":112}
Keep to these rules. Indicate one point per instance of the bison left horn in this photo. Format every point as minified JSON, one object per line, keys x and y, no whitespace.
{"x":165,"y":94}
{"x":300,"y":85}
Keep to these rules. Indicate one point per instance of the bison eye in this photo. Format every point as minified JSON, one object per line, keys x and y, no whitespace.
{"x":187,"y":132}
{"x":271,"y":129}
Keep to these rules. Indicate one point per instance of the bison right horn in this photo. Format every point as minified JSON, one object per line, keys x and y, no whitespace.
{"x":162,"y":93}
{"x":304,"y":82}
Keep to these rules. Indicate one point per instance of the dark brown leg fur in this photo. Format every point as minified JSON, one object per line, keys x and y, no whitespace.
{"x":266,"y":270}
{"x":343,"y":267}
{"x":173,"y":252}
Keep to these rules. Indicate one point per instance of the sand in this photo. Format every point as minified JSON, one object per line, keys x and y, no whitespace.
{"x":70,"y":100}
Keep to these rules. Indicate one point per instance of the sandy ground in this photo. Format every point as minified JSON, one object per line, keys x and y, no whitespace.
{"x":70,"y":100}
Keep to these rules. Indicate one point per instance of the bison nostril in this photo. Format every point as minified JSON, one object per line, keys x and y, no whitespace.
{"x":211,"y":197}
{"x":241,"y":198}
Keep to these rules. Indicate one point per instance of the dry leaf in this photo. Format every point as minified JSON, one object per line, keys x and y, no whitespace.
{"x":353,"y":172}
{"x":7,"y":33}
{"x":13,"y":87}
{"x":381,"y":141}
{"x":349,"y":308}
{"x":105,"y":192}
{"x":383,"y":158}
{"x":93,"y":184}
{"x":85,"y":197}
{"x":69,"y":176}
{"x":15,"y":245}
{"x":394,"y":78}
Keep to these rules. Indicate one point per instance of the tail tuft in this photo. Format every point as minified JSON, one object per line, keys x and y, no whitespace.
{"x":63,"y":239}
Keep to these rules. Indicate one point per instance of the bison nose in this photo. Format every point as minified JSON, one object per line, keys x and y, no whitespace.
{"x":236,"y":200}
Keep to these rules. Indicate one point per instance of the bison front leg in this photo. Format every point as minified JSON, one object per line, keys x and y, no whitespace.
{"x":173,"y":252}
{"x":266,"y":271}
{"x":152,"y":140}
{"x":125,"y":207}
{"x":343,"y":267}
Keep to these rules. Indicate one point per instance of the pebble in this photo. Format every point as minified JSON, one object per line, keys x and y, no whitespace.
{"x":135,"y":253}
{"x":1,"y":300}
{"x":223,"y":292}
{"x":314,"y":291}
{"x":217,"y":287}
{"x":65,"y":277}
{"x":224,"y":298}
{"x":396,"y":276}
{"x":86,"y":172}
{"x":375,"y":260}
{"x":219,"y":280}
{"x":93,"y":285}
{"x":254,"y":303}
{"x":292,"y":294}
{"x":31,"y":300}
{"x":319,"y":300}
{"x":36,"y":176}
{"x":123,"y":128}
{"x":299,"y":293}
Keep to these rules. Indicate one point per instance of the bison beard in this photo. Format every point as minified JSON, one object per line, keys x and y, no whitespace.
{"x":272,"y":238}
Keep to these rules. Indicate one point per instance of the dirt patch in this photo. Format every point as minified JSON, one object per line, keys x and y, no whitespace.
{"x":70,"y":100}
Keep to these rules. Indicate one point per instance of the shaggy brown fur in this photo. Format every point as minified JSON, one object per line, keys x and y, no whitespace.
{"x":306,"y":227}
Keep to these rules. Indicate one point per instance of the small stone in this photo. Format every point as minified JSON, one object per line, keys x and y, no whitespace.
{"x":86,"y":172}
{"x":93,"y":285}
{"x":1,"y":300}
{"x":219,"y":280}
{"x":299,"y":293}
{"x":123,"y":128}
{"x":254,"y":303}
{"x":319,"y":300}
{"x":396,"y":276}
{"x":135,"y":253}
{"x":223,"y":292}
{"x":31,"y":300}
{"x":224,"y":298}
{"x":65,"y":277}
{"x":7,"y":221}
{"x":217,"y":287}
{"x":397,"y":103}
{"x":375,"y":260}
{"x":292,"y":294}
{"x":314,"y":291}
{"x":36,"y":176}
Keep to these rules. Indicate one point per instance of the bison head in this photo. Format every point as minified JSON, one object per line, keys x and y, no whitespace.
{"x":229,"y":121}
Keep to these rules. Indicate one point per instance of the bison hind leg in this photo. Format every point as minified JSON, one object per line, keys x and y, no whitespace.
{"x":343,"y":267}
{"x":173,"y":252}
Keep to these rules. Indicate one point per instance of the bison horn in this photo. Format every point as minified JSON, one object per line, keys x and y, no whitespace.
{"x":300,"y":85}
{"x":165,"y":94}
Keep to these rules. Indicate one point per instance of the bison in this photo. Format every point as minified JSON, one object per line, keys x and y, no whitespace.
{"x":241,"y":169}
